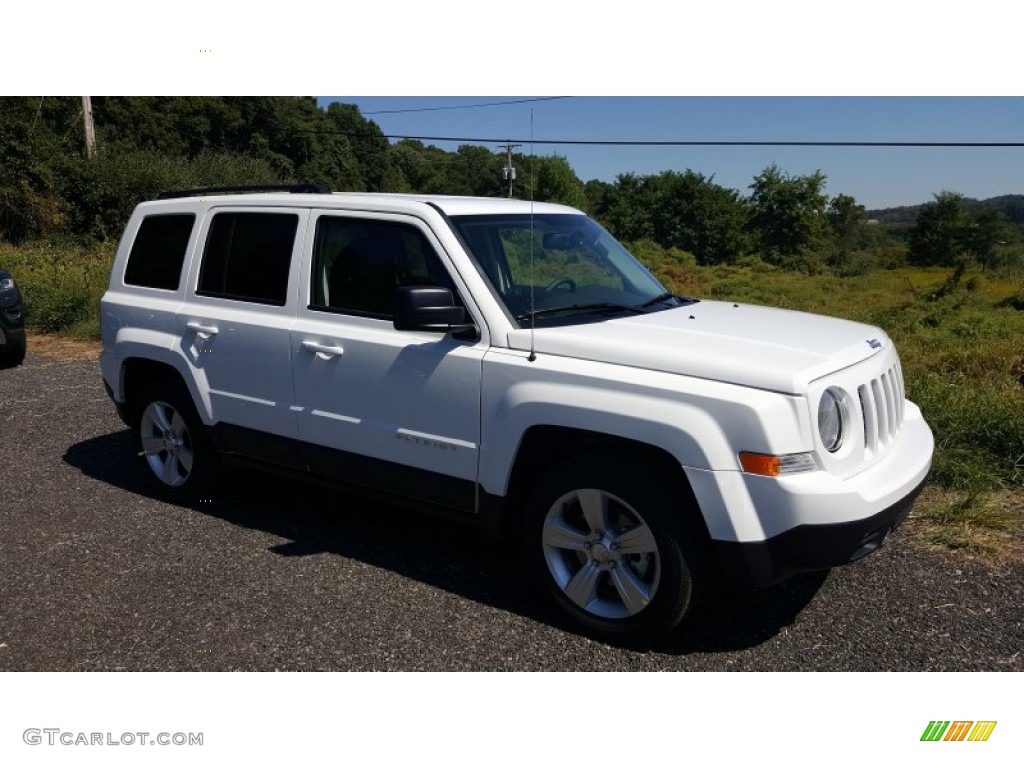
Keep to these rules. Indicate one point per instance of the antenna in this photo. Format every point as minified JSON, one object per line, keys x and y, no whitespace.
{"x":533,"y":287}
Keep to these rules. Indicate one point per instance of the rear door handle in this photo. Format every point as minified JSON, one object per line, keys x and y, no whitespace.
{"x":202,"y":331}
{"x":323,"y":351}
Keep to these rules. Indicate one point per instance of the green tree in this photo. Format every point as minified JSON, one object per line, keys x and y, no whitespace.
{"x":36,"y":134}
{"x":848,"y":219}
{"x":851,"y":237}
{"x":476,"y":170}
{"x":422,"y":169}
{"x":556,"y":182}
{"x":941,"y":231}
{"x":692,"y":213}
{"x":365,"y":144}
{"x":625,"y":208}
{"x":595,"y":191}
{"x":788,"y":213}
{"x":681,"y":210}
{"x":988,"y":231}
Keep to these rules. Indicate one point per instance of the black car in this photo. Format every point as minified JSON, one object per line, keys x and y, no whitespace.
{"x":12,"y":322}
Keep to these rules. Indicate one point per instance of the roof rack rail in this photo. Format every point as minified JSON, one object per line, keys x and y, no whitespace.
{"x":314,"y":189}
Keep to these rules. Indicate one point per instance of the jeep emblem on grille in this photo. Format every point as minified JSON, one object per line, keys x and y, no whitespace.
{"x":874,"y":343}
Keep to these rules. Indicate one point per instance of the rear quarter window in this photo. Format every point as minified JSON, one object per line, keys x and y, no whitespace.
{"x":159,"y":251}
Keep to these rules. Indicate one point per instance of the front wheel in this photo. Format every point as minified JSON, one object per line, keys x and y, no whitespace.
{"x":609,"y":544}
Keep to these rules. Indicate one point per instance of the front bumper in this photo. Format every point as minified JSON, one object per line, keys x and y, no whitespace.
{"x":810,"y":547}
{"x":765,"y":529}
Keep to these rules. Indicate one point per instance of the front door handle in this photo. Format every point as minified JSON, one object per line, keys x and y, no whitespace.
{"x":204,"y":332}
{"x":323,"y":351}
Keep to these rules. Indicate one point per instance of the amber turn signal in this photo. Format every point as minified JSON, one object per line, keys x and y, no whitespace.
{"x":773,"y":466}
{"x":760,"y":464}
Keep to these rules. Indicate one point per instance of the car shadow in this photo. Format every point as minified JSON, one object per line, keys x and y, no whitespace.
{"x":735,"y":618}
{"x":444,"y":554}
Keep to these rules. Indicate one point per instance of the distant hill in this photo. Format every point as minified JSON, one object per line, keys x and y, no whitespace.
{"x":1011,"y":206}
{"x":902,"y":214}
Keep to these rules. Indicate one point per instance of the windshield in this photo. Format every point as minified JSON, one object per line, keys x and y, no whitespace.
{"x":556,"y":269}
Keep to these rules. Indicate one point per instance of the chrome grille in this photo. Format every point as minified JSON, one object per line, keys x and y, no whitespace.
{"x":881,"y":403}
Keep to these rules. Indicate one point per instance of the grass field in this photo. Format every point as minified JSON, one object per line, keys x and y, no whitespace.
{"x":960,"y":338}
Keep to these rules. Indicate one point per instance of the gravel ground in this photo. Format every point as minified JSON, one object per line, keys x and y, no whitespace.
{"x":98,"y":574}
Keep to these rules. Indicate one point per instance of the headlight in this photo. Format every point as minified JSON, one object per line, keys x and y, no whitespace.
{"x":6,"y":284}
{"x":832,"y":418}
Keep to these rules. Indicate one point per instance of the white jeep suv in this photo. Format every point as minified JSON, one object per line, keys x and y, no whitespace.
{"x":509,"y":364}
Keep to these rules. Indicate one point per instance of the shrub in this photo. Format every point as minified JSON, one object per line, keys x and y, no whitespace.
{"x":654,"y":255}
{"x":61,"y":285}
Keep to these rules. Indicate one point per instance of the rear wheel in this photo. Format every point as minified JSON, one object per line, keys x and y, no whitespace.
{"x":609,"y":544}
{"x":173,"y":444}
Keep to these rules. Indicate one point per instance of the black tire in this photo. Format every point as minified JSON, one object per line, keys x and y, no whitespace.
{"x":13,"y":354}
{"x":612,"y":545}
{"x":171,"y":442}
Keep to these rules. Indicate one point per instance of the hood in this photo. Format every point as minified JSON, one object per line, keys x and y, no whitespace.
{"x":774,"y":349}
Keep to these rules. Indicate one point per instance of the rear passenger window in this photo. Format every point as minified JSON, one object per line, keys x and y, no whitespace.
{"x":159,"y":251}
{"x":358,"y":264}
{"x":248,"y":256}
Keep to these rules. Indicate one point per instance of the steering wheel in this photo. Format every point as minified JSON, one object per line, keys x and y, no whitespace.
{"x":568,"y":282}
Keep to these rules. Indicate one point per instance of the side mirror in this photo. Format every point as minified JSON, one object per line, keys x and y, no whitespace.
{"x":428,"y":308}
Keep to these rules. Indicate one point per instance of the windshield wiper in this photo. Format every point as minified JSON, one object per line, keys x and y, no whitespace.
{"x":658,"y":299}
{"x":665,"y":297}
{"x":596,"y":307}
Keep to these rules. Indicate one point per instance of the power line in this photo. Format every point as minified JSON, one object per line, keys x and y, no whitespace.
{"x":702,"y":143}
{"x":685,"y":143}
{"x":446,"y":160}
{"x":465,"y":106}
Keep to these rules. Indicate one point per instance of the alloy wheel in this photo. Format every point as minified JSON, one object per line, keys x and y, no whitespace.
{"x":166,"y":443}
{"x":601,"y":553}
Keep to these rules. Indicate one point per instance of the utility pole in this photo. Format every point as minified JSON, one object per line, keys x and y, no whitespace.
{"x":509,"y":172}
{"x":90,"y":130}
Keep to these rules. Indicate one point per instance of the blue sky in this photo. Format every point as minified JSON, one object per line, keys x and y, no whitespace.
{"x":877,"y":177}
